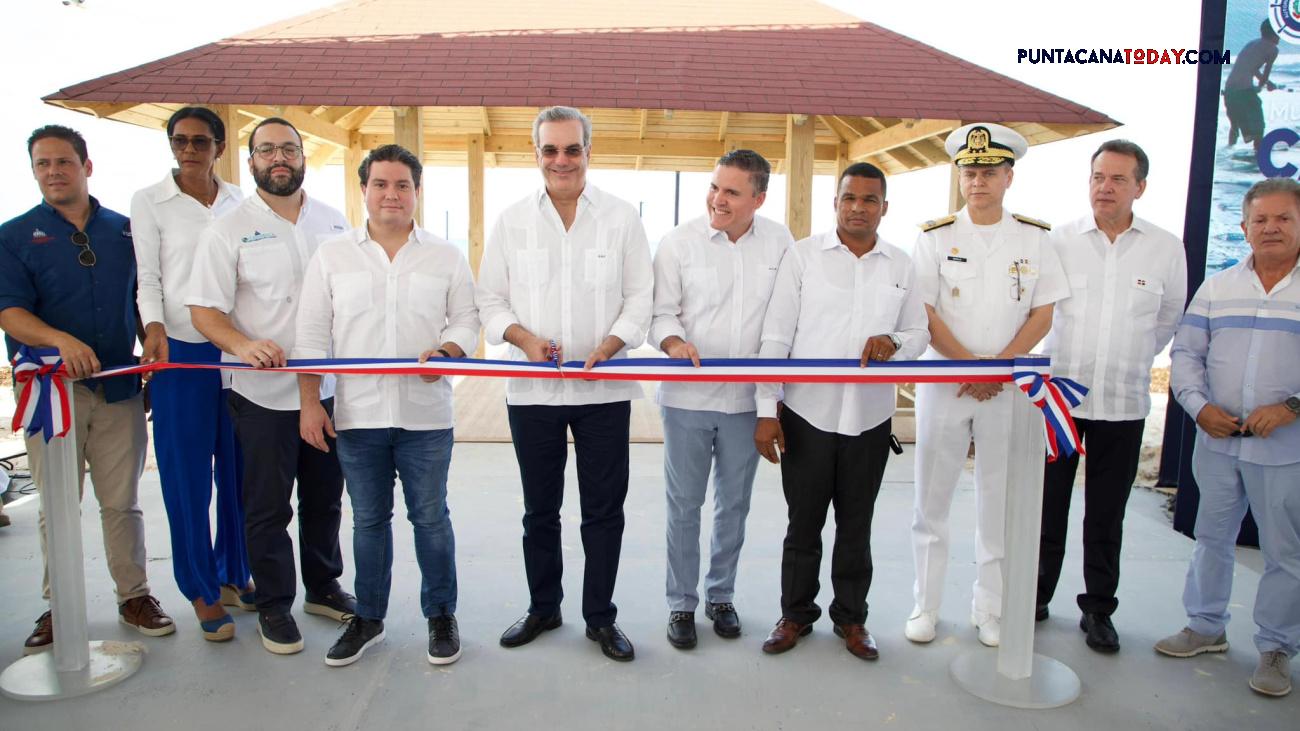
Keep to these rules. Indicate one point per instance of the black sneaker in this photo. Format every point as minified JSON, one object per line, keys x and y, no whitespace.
{"x":360,"y":634}
{"x":338,"y":605}
{"x":279,"y":633}
{"x":444,"y":640}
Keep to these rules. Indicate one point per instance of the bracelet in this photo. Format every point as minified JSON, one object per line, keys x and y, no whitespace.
{"x":444,"y":352}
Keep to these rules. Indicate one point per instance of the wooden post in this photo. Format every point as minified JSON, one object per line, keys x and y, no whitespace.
{"x":235,"y":155}
{"x":799,"y":149}
{"x":352,"y":158}
{"x":841,"y":160}
{"x":474,"y":163}
{"x":408,"y":131}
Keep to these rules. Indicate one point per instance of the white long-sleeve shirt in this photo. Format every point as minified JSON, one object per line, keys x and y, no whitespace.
{"x":826,"y":303}
{"x":355,"y":303}
{"x":165,"y":226}
{"x":713,"y":293}
{"x":1125,"y":302}
{"x":250,"y":265}
{"x":575,"y":287}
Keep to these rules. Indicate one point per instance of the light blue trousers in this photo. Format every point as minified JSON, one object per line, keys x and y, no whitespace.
{"x":1228,"y":486}
{"x":694,"y":442}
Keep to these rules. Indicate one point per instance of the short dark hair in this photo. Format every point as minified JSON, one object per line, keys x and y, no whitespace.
{"x":1124,"y":147}
{"x":1267,"y":32}
{"x":271,"y":120}
{"x":1270,"y":186}
{"x":58,"y":131}
{"x":759,"y":169}
{"x":862,"y":170}
{"x":391,"y":153}
{"x":204,"y":115}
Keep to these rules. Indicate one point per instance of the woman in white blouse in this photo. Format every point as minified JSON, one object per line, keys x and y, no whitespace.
{"x":194,"y":439}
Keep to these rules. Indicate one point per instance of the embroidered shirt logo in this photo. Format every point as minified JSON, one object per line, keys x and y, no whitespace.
{"x":256,"y":236}
{"x":40,"y":237}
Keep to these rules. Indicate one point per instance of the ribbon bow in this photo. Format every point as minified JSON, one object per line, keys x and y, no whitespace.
{"x":1055,"y":396}
{"x":43,"y":396}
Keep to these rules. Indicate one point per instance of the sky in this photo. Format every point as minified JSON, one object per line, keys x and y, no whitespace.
{"x":45,"y":46}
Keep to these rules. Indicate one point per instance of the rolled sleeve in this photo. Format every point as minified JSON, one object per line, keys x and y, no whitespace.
{"x":16,"y":286}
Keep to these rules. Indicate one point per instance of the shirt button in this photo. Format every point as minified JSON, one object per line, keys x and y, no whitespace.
{"x":288,"y":299}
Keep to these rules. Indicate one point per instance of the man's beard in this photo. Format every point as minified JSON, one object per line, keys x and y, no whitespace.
{"x":268,"y":183}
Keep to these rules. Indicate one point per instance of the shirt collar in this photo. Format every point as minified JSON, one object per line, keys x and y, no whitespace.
{"x":831,"y":240}
{"x":52,"y":211}
{"x":589,"y":194}
{"x":167,"y":188}
{"x":261,"y":203}
{"x":714,"y":233}
{"x":1138,"y":224}
{"x":361,"y":234}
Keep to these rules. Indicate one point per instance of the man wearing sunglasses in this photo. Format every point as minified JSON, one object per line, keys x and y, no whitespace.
{"x":567,"y":274}
{"x":1234,"y":370}
{"x":243,"y":297}
{"x":67,"y":281}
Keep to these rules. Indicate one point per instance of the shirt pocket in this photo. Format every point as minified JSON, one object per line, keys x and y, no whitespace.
{"x":1021,"y":281}
{"x":700,"y":286}
{"x":351,"y":292}
{"x":267,"y":269}
{"x":532,"y":267}
{"x":955,"y":272}
{"x":600,"y":268}
{"x":764,"y":280}
{"x":888,"y":302}
{"x":426,"y":296}
{"x":1144,"y":299}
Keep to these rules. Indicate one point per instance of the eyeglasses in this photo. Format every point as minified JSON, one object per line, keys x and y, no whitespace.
{"x":85,"y":257}
{"x":267,"y":150}
{"x":1242,"y":433}
{"x":549,"y":151}
{"x":200,"y":143}
{"x":1015,"y":288}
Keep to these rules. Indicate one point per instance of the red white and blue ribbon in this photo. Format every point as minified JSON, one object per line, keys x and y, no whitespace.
{"x":1055,"y":396}
{"x":42,"y":394}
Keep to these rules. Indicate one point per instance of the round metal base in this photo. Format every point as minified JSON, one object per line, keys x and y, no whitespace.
{"x":1052,"y":683}
{"x":33,"y":678}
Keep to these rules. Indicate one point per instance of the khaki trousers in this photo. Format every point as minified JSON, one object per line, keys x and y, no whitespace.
{"x":111,"y":440}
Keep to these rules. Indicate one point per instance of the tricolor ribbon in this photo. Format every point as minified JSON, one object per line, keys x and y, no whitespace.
{"x":1055,"y":396}
{"x":43,"y":395}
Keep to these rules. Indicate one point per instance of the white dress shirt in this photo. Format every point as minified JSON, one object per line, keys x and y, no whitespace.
{"x":713,"y":294}
{"x":356,"y":303}
{"x":826,"y":303}
{"x":250,"y":264}
{"x":983,"y":280}
{"x":1125,"y":302}
{"x":165,"y":225}
{"x":574,"y":287}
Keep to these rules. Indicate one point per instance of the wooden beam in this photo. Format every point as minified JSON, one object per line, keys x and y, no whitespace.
{"x":355,"y":118}
{"x":352,"y":157}
{"x":302,"y":121}
{"x":333,"y":114}
{"x":486,"y":122}
{"x":860,"y":126}
{"x":705,"y":149}
{"x":321,"y":157}
{"x":800,"y":147}
{"x":909,"y":160}
{"x":836,"y":127}
{"x":408,"y":131}
{"x":841,"y":161}
{"x":103,"y":110}
{"x":645,"y":118}
{"x":230,"y":162}
{"x":903,"y":133}
{"x":722,"y":125}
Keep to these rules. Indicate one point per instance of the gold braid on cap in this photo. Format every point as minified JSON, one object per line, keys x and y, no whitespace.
{"x":980,"y":149}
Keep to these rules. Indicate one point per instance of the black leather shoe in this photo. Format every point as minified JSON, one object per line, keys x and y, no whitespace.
{"x":725,"y":620}
{"x":681,"y":630}
{"x":528,"y":628}
{"x":1040,"y":613}
{"x":1102,"y":636}
{"x":613,"y":642}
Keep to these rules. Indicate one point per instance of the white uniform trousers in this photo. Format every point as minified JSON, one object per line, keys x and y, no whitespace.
{"x":945,"y":426}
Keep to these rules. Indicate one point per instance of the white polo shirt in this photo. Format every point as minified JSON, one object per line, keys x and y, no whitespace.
{"x":713,"y":293}
{"x":575,"y":287}
{"x":1125,"y":302}
{"x":826,"y":303}
{"x":356,"y":303}
{"x":250,"y":265}
{"x":983,"y":280}
{"x":165,"y":226}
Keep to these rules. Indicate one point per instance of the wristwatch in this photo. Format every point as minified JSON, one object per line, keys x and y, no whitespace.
{"x":1292,"y":404}
{"x":898,"y":344}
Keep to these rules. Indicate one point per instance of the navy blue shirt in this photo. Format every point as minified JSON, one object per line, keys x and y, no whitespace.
{"x":39,"y":272}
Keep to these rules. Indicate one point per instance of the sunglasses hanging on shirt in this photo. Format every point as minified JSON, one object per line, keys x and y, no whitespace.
{"x":85,"y":257}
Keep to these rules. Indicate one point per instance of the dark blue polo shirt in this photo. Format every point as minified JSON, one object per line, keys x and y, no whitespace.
{"x":39,"y":272}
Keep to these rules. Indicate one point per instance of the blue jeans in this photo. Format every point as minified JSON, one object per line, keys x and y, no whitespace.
{"x":371,"y":460}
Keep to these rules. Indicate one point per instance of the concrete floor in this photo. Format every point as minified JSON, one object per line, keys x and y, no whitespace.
{"x":562,"y":680}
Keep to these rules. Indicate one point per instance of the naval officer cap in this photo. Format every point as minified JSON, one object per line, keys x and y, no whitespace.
{"x":985,"y":143}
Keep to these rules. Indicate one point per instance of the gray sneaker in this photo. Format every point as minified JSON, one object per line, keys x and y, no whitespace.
{"x":1188,"y":644}
{"x":1273,"y":674}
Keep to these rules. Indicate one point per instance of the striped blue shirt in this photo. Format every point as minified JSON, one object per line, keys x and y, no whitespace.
{"x":1238,"y":347}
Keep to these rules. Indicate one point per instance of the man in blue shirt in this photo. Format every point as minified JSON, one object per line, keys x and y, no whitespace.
{"x":67,"y":281}
{"x":1234,"y":370}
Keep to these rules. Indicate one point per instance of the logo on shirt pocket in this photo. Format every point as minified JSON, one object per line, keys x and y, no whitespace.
{"x":40,"y":237}
{"x":256,"y":236}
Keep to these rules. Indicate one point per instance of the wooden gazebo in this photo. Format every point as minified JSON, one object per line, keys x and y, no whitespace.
{"x":669,"y":84}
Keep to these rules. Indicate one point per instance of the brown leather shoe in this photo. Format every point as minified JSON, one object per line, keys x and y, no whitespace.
{"x":785,"y":635}
{"x":41,"y":638}
{"x":858,"y":641}
{"x":147,"y":615}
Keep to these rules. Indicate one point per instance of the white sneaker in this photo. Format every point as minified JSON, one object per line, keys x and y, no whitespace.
{"x":921,"y":626}
{"x":990,"y":628}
